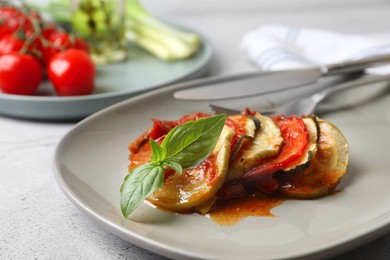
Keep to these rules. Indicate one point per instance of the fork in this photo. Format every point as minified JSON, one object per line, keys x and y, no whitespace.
{"x":308,"y":104}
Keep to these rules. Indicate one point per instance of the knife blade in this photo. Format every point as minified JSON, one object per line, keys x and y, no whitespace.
{"x":259,"y":83}
{"x":245,"y":85}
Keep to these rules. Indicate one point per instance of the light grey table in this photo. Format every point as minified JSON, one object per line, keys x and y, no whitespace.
{"x":37,"y":221}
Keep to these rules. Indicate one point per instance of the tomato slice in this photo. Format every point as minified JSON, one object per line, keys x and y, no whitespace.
{"x":238,"y":128}
{"x":160,"y":128}
{"x":248,"y":112}
{"x":296,"y":139}
{"x":191,"y":117}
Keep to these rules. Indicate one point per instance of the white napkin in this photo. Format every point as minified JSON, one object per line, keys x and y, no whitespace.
{"x":275,"y":47}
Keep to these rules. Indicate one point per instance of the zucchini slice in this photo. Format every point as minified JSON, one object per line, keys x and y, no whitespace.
{"x":266,"y":143}
{"x":312,"y":127}
{"x":327,"y":168}
{"x":198,"y":185}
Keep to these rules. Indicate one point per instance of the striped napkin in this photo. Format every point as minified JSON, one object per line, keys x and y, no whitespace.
{"x":276,"y":47}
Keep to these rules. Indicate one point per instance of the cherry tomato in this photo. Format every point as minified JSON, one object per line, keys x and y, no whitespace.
{"x":19,"y":74}
{"x":81,"y":44}
{"x":72,"y":72}
{"x":10,"y":43}
{"x":13,"y":19}
{"x":57,"y":41}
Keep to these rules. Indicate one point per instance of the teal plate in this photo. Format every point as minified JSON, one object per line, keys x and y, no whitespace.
{"x":115,"y":82}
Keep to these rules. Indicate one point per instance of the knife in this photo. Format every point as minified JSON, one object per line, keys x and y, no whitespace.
{"x":259,"y":83}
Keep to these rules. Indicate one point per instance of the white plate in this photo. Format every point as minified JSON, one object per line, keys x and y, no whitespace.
{"x":114,"y":82}
{"x":91,"y":162}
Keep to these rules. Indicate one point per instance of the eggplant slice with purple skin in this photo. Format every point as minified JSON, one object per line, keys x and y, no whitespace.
{"x":312,"y":127}
{"x":266,"y":143}
{"x":327,"y":167}
{"x":251,"y":125}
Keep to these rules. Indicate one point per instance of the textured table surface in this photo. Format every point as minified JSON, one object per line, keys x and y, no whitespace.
{"x":37,"y":221}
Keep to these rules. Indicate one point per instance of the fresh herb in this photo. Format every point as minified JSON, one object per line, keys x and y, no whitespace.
{"x":185,"y":146}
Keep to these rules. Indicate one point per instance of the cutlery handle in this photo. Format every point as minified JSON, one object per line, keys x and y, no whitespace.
{"x":356,"y":65}
{"x":364,"y":80}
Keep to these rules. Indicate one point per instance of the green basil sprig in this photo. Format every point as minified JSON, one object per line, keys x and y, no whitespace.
{"x":185,"y":146}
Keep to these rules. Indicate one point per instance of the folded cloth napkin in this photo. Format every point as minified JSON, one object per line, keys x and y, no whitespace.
{"x":276,"y":47}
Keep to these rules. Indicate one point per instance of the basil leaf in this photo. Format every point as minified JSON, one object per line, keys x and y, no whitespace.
{"x":184,"y":146}
{"x":174,"y":165}
{"x":190,"y":143}
{"x":140,"y":184}
{"x":156,"y":151}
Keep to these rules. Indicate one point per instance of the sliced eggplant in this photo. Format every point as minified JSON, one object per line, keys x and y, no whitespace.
{"x":248,"y":125}
{"x":196,"y":186}
{"x":312,"y":127}
{"x":266,"y":143}
{"x":326,"y":169}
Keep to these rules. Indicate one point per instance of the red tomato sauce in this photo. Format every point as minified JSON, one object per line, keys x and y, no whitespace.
{"x":238,"y":128}
{"x":229,"y":213}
